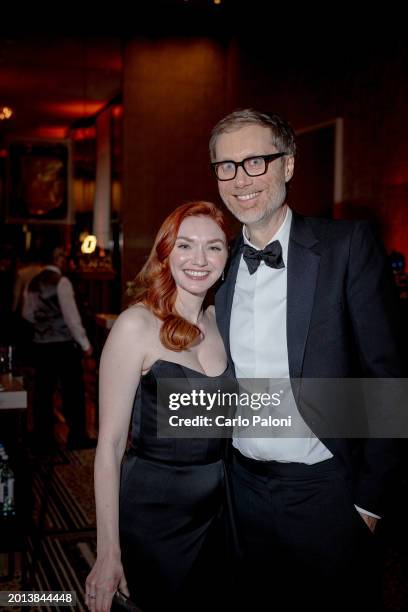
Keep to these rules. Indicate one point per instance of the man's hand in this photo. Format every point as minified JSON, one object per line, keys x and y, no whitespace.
{"x":370,"y":521}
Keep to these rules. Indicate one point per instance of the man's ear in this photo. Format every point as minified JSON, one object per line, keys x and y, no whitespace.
{"x":289,"y":167}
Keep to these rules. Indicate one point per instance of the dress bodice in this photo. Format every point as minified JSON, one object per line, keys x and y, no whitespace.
{"x":147,"y":407}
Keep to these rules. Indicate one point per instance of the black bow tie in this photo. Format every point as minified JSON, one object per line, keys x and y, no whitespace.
{"x":271,"y":254}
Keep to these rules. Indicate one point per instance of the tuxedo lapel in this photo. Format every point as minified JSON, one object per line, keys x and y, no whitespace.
{"x":303,"y":267}
{"x":225,"y":295}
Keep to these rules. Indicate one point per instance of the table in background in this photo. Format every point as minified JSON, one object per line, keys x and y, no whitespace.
{"x":13,"y":418}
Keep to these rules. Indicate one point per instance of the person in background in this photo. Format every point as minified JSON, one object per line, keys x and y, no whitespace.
{"x":60,"y":342}
{"x":24,"y":275}
{"x":22,"y":333}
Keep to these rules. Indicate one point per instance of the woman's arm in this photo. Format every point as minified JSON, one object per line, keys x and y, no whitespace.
{"x":120,"y":369}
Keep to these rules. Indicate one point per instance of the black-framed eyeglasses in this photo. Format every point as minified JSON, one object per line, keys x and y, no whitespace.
{"x":253,"y":166}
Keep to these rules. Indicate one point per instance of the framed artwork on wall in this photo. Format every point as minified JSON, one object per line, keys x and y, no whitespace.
{"x":39,"y":181}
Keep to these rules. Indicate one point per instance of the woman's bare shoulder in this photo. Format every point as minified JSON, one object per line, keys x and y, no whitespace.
{"x":136,"y":319}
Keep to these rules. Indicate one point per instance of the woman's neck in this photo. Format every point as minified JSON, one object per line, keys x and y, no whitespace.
{"x":190,"y":307}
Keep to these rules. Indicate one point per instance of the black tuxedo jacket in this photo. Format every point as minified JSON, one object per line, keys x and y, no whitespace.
{"x":340,"y":324}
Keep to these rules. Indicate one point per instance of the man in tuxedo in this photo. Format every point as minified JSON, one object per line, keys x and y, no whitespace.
{"x":304,"y":298}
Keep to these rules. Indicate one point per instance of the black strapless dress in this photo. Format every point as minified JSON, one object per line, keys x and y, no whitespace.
{"x":171,"y":509}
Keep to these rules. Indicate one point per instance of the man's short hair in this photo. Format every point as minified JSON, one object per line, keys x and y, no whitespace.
{"x":283,"y":136}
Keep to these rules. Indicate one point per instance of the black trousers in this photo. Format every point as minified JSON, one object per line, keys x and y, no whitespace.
{"x":303,"y":545}
{"x":58,"y":362}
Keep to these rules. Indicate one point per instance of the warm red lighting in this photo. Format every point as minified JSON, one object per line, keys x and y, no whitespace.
{"x":3,"y":153}
{"x":117,"y":111}
{"x":398,"y":175}
{"x":75,"y":109}
{"x":88,"y":133}
{"x":50,"y":132}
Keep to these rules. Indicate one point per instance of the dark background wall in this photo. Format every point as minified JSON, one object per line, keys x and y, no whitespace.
{"x":171,"y":100}
{"x":175,"y":89}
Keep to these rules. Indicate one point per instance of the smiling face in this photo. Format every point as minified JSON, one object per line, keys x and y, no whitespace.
{"x":199,"y":255}
{"x":253,"y":200}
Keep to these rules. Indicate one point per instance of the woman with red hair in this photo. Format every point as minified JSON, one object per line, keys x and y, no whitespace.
{"x":156,"y":524}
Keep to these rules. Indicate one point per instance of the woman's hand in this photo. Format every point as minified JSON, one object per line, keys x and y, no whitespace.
{"x":104,"y":579}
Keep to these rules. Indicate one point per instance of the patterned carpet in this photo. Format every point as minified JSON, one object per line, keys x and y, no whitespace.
{"x":62,"y":545}
{"x":64,"y":549}
{"x":63,"y":558}
{"x":64,"y":564}
{"x":68,"y":482}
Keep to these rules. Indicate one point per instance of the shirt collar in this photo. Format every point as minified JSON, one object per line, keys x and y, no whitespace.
{"x":282,"y":234}
{"x":53,"y":268}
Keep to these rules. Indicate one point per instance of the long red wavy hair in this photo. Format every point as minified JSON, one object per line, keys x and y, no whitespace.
{"x":155,"y":286}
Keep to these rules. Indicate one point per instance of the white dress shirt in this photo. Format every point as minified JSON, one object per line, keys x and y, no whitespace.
{"x":259,"y":350}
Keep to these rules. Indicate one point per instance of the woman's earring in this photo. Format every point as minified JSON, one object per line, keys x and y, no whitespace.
{"x":222,"y":275}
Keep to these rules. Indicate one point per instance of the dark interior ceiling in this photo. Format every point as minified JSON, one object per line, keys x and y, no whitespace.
{"x":56,"y":77}
{"x":52,"y":82}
